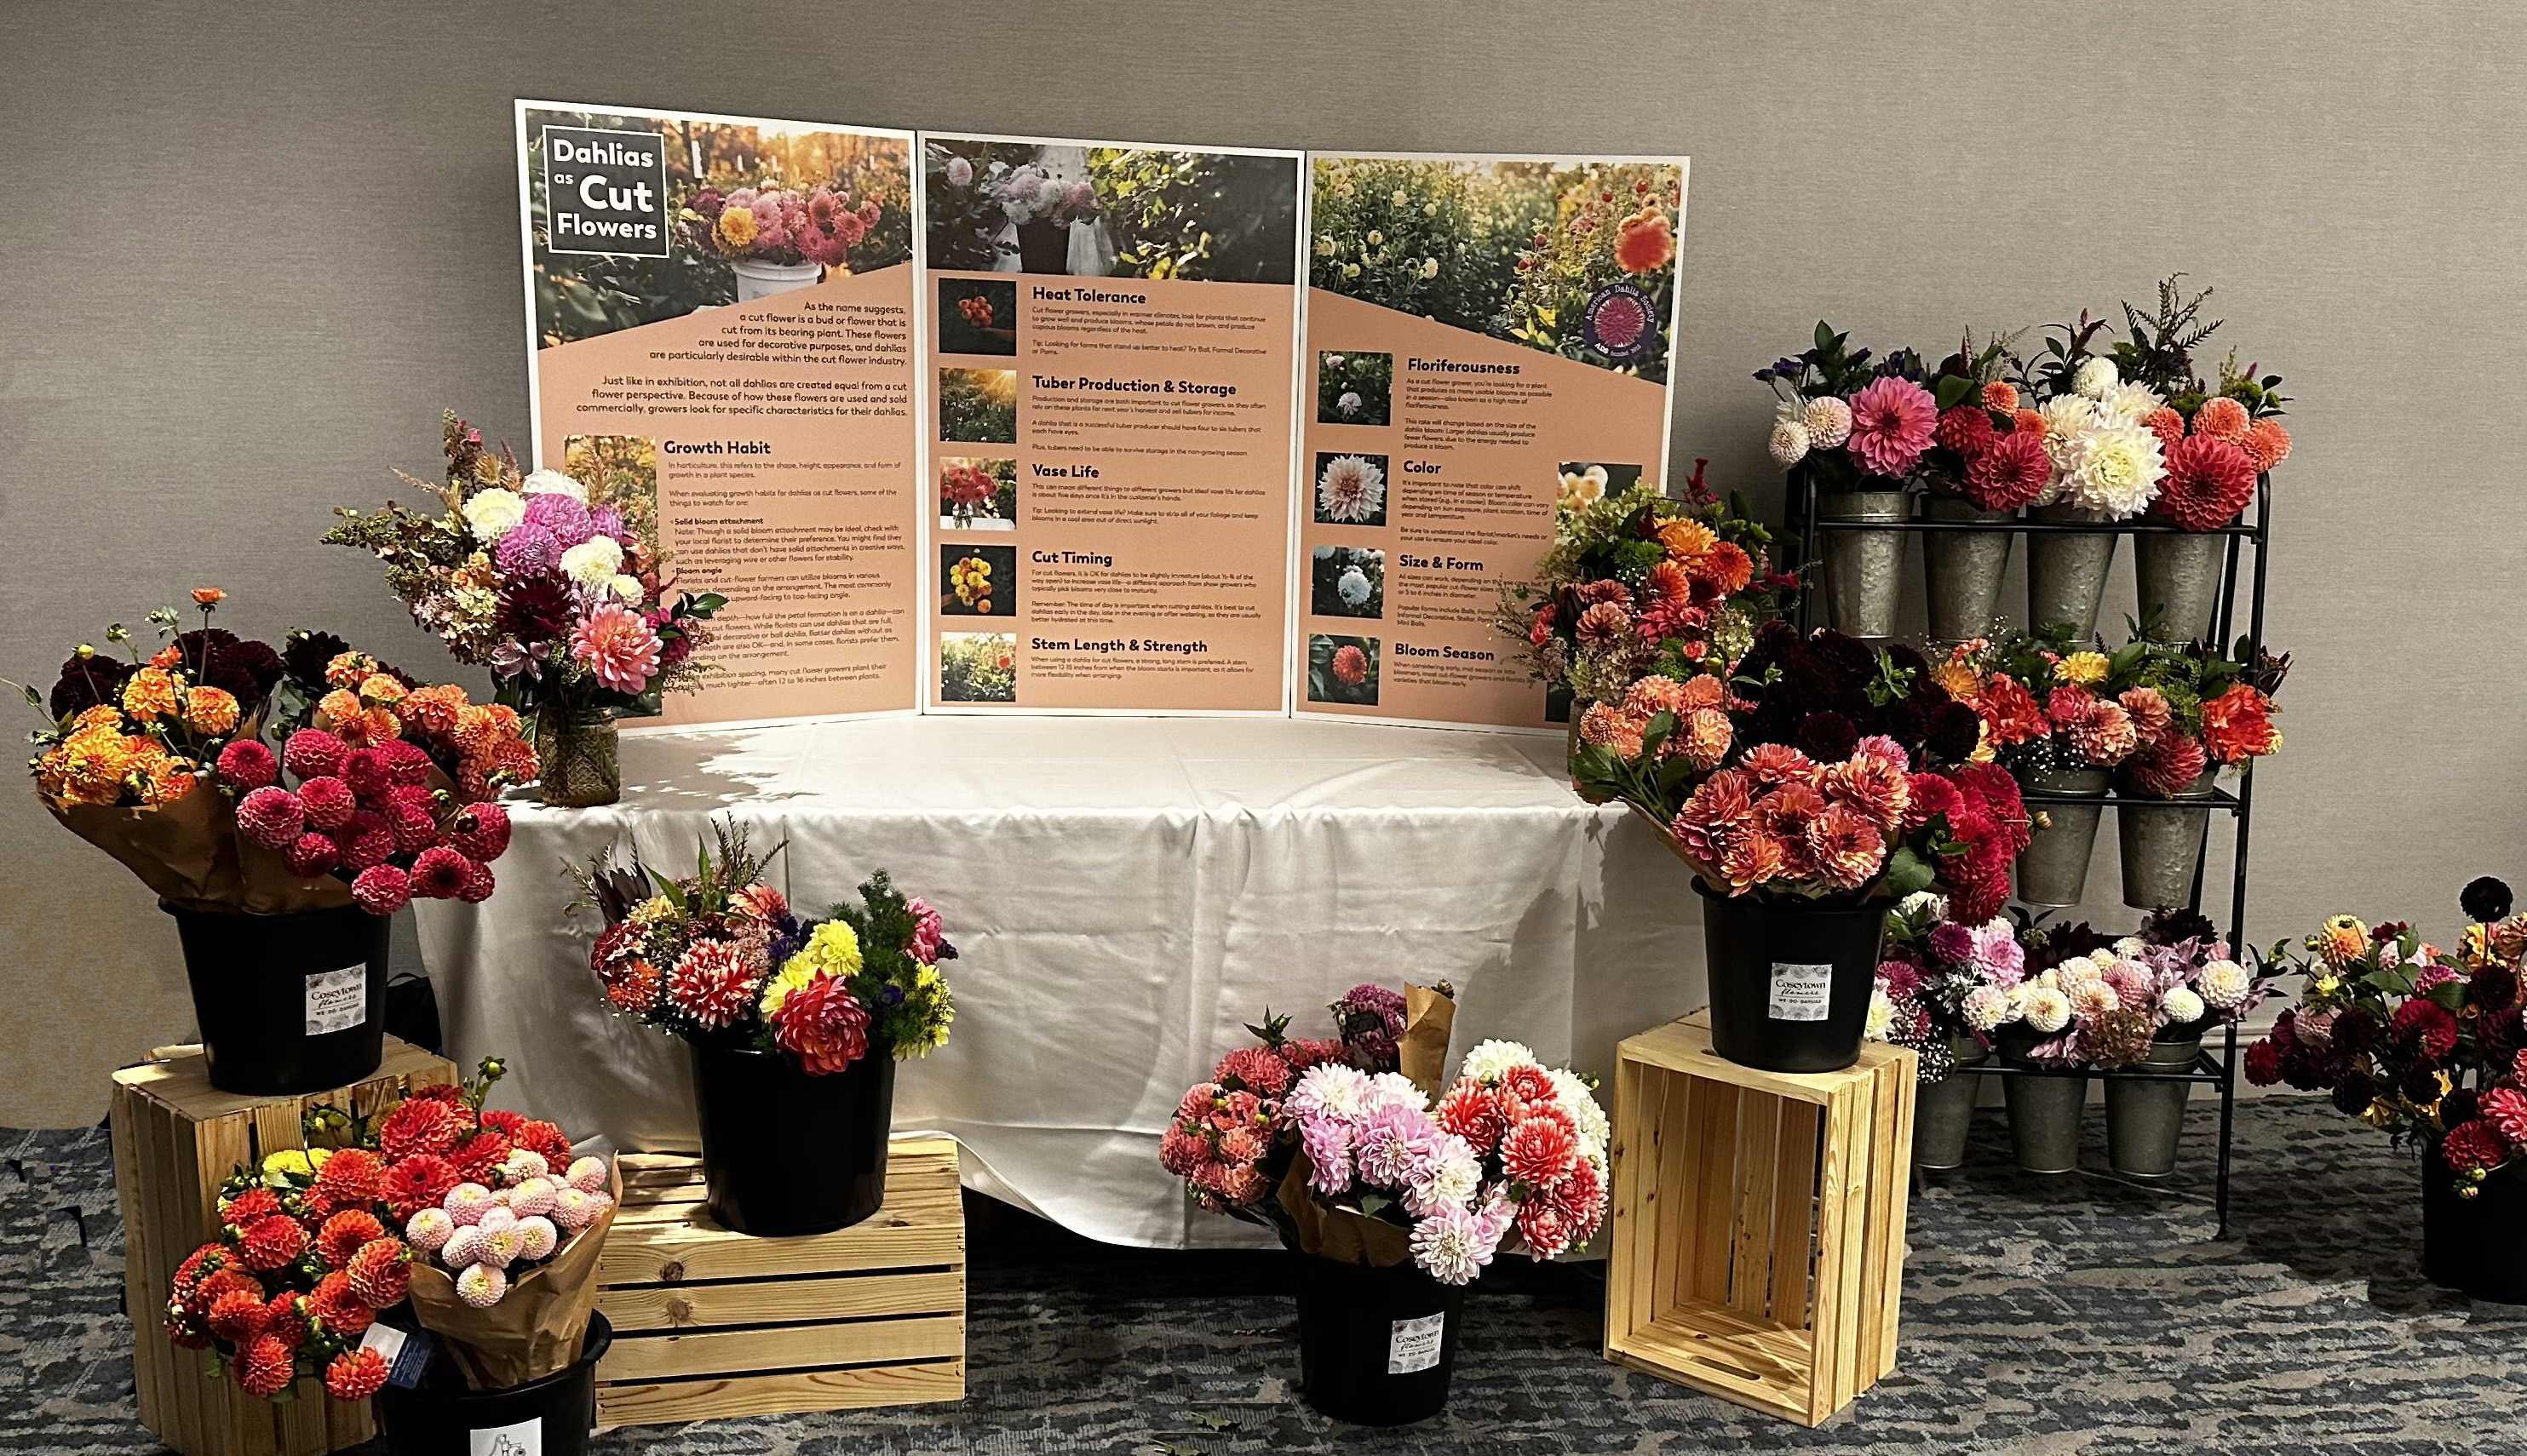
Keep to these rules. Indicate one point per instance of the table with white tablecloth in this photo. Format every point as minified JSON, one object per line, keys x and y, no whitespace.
{"x":1127,"y":894}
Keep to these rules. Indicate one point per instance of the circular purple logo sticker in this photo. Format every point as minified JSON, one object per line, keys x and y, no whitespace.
{"x":1622,"y":323}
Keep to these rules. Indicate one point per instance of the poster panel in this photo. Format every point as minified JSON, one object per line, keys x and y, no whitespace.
{"x":720,"y":318}
{"x":1109,"y":364}
{"x":1488,"y":343}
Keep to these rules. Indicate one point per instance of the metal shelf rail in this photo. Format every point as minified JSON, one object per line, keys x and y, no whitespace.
{"x":2220,"y":1071}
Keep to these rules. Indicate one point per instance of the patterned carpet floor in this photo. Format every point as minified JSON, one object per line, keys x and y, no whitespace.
{"x":2053,"y":1316}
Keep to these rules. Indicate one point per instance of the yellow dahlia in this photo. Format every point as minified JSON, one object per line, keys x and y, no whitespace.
{"x":377,"y":687}
{"x":210,"y":710}
{"x":2086,"y":669}
{"x":737,"y":227}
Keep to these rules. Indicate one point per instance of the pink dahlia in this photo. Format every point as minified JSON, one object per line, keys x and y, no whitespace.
{"x":714,"y":983}
{"x":2170,"y":765}
{"x":407,"y":763}
{"x":618,"y":647}
{"x":368,"y":840}
{"x":1350,"y":666}
{"x":2011,"y":472}
{"x":311,"y":753}
{"x":365,"y":771}
{"x":381,"y":890}
{"x":481,"y":831}
{"x":1871,"y":785}
{"x":439,"y":873}
{"x":2507,"y":1109}
{"x":1845,"y":846}
{"x":270,"y":817}
{"x":2474,"y":1147}
{"x":328,"y":802}
{"x":1892,"y":421}
{"x":2209,"y":482}
{"x":824,"y":1023}
{"x":312,"y":854}
{"x":929,"y":932}
{"x":246,"y":765}
{"x":1255,"y":1068}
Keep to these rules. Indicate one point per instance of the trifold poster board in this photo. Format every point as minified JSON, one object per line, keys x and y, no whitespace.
{"x":968,"y":423}
{"x":1110,"y":350}
{"x":721,"y":312}
{"x":1489,"y":342}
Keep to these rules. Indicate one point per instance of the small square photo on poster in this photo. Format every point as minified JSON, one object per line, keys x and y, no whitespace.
{"x":978,"y":668}
{"x":978,"y":316}
{"x":1584,"y":482}
{"x":1350,"y":488}
{"x":978,"y":580}
{"x":1354,"y":389}
{"x":1347,"y":581}
{"x":979,"y":406}
{"x":1342,"y":670}
{"x":978,"y":493}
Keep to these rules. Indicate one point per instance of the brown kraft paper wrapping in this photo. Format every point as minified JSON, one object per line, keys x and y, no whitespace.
{"x":1429,"y":1016}
{"x":189,"y":853}
{"x":536,"y":1328}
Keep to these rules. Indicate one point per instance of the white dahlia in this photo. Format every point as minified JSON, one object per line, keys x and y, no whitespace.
{"x":2128,"y":403}
{"x":1789,"y":443}
{"x":1575,"y":1099}
{"x":2094,"y":377}
{"x":2182,"y":1005}
{"x":1490,"y":1059}
{"x":1829,"y":422}
{"x":2113,"y":469}
{"x":2048,"y":1010}
{"x":1352,"y":587}
{"x":1352,"y":487}
{"x":1985,"y":1007}
{"x":2223,"y":983}
{"x":1882,"y":1016}
{"x":553,"y":482}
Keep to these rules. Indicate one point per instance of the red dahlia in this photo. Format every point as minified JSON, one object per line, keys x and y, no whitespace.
{"x":344,"y":1232}
{"x":285,"y":1320}
{"x":313,"y":753}
{"x":224,"y":1282}
{"x":272,"y":1243}
{"x":382,"y":890}
{"x":481,"y":831}
{"x":266,"y":1367}
{"x":245,"y":765}
{"x":328,"y":802}
{"x":381,"y":1274}
{"x":2428,"y":1027}
{"x":477,"y":1156}
{"x":237,"y":1315}
{"x":1965,"y":429}
{"x":2011,"y":472}
{"x":343,"y":1313}
{"x":2474,"y":1147}
{"x":439,"y":873}
{"x":419,"y":1181}
{"x":548,"y":1139}
{"x":419,"y":1124}
{"x":1473,"y":1113}
{"x":257,"y":1202}
{"x":1539,"y":1151}
{"x":355,"y":1375}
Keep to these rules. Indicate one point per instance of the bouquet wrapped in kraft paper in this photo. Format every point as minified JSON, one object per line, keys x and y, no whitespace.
{"x":236,"y":779}
{"x":534,"y":1329}
{"x":1359,"y":1149}
{"x":481,"y":1218}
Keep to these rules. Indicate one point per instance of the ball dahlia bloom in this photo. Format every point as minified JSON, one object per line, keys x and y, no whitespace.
{"x":619,"y":646}
{"x":1829,"y":422}
{"x":2223,"y":418}
{"x":1892,"y":421}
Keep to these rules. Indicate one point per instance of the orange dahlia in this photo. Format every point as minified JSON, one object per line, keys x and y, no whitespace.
{"x":1845,"y":846}
{"x":2027,"y":422}
{"x":2010,"y":712}
{"x":355,"y":1375}
{"x":1644,"y":242}
{"x":2222,"y":418}
{"x":2002,"y":395}
{"x":1724,"y":566}
{"x":210,"y":710}
{"x":1703,"y":736}
{"x":2165,"y":424}
{"x":1877,"y":788}
{"x":1778,"y":763}
{"x":1750,"y":861}
{"x":266,"y":1367}
{"x":2267,"y":443}
{"x":2238,"y":724}
{"x":340,"y":705}
{"x":151,"y":693}
{"x":1668,"y":582}
{"x":434,"y":710}
{"x":1605,"y":726}
{"x":377,"y":687}
{"x":1685,"y":540}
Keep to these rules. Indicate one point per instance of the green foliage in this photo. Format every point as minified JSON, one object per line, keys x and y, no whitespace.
{"x":1368,"y":379}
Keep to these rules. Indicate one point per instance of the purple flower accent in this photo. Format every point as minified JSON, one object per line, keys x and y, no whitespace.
{"x":1951,"y":943}
{"x":1327,"y":1144}
{"x":564,"y":516}
{"x":528,"y":550}
{"x":605,"y":520}
{"x":1397,"y":1146}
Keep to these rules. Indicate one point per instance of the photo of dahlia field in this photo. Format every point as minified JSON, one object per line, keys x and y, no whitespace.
{"x":1342,"y":670}
{"x":1109,"y":211}
{"x":1354,"y":388}
{"x":1570,"y":258}
{"x":978,"y":668}
{"x":979,"y":406}
{"x":779,"y":193}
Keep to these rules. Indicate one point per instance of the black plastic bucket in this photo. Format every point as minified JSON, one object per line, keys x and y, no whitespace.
{"x":1789,"y":984}
{"x":444,"y":1417}
{"x":785,"y":1153}
{"x":286,"y":1003}
{"x":2475,"y":1244}
{"x":1376,"y":1345}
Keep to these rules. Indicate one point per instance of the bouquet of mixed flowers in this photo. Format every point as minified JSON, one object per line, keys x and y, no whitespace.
{"x":718,"y":957}
{"x":1942,"y":985}
{"x":163,"y":764}
{"x":2133,"y":429}
{"x":2428,"y":1045}
{"x":1816,"y":768}
{"x":440,"y":1200}
{"x":779,"y":224}
{"x":2085,"y":1000}
{"x":1958,"y":429}
{"x":1639,"y":584}
{"x":2165,"y":714}
{"x":1329,"y":1143}
{"x":573,"y":610}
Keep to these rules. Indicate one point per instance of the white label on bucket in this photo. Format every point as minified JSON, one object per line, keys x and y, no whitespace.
{"x":337,"y":1000}
{"x":1801,"y":993}
{"x":526,"y":1438}
{"x":1413,"y":1344}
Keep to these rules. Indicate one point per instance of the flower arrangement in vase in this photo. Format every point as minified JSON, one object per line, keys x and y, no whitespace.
{"x":786,"y":227}
{"x":1639,"y":584}
{"x":441,"y":1201}
{"x":810,"y":1015}
{"x":1855,"y":427}
{"x":2428,"y":1046}
{"x":573,"y":608}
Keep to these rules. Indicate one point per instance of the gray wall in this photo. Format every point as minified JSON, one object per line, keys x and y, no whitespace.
{"x":250,"y":252}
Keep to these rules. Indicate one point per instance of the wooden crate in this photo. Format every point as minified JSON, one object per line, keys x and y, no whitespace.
{"x":710,"y":1323}
{"x":175,"y":1139}
{"x":1758,"y":1229}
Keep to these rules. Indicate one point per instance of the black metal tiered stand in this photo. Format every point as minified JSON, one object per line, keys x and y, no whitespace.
{"x":2220,"y":1071}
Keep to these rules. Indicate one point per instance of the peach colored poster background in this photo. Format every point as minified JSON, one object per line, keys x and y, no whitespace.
{"x":1148,"y":570}
{"x":1469,"y":468}
{"x":813,"y":539}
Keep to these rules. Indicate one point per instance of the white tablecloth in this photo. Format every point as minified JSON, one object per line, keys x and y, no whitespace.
{"x":1127,"y":894}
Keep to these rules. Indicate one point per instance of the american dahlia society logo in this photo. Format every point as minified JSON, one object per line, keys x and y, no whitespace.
{"x":1622,"y":322}
{"x":605,"y":192}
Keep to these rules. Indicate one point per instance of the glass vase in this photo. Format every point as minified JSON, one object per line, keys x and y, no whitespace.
{"x":582,"y":759}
